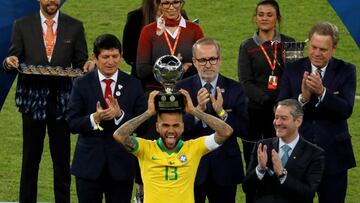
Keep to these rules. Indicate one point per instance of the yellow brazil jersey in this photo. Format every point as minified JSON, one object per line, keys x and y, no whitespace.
{"x":169,"y":177}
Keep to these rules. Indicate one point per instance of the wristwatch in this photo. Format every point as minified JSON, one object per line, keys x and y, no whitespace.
{"x":283,"y":173}
{"x":262,"y":171}
{"x":302,"y":99}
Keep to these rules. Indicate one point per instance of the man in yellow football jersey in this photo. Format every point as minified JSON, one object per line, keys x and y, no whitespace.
{"x":168,"y":165}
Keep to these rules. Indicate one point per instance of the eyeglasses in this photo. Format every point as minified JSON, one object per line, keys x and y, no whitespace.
{"x":212,"y":61}
{"x":175,"y":4}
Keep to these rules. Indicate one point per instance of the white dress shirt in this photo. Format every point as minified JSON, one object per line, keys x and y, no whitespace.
{"x":103,"y":86}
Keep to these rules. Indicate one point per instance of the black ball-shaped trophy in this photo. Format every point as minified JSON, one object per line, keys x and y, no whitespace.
{"x":168,"y":70}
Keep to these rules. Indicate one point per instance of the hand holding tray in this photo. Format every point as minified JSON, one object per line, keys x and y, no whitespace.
{"x":50,"y":71}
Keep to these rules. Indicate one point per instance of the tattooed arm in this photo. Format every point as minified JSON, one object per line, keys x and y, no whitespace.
{"x":122,"y":134}
{"x":222,"y":129}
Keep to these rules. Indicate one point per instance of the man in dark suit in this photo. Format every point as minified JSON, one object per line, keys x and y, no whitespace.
{"x":99,"y":103}
{"x":220,"y":171}
{"x":295,"y":176}
{"x":42,"y":100}
{"x":326,"y":88}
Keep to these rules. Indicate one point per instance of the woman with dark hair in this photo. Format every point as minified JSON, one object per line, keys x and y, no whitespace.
{"x":136,"y":20}
{"x":171,"y":34}
{"x":260,"y":66}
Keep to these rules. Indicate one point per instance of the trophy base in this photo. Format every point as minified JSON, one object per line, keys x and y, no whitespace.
{"x":169,"y":102}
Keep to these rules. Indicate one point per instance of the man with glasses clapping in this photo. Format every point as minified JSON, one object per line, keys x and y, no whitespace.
{"x":219,"y":171}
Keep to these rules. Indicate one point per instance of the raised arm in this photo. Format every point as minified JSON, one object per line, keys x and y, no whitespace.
{"x":222,"y":129}
{"x":122,"y":134}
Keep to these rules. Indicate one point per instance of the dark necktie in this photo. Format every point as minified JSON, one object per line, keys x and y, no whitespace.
{"x":108,"y":92}
{"x":209,"y":108}
{"x":320,"y":72}
{"x":285,"y":156}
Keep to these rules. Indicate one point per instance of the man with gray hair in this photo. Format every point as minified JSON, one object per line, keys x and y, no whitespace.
{"x":325,"y":87}
{"x":274,"y":173}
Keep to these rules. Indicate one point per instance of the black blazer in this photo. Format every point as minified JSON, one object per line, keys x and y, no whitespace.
{"x":27,"y":44}
{"x":95,"y":148}
{"x":326,"y":124}
{"x":305,"y":168}
{"x":225,"y":163}
{"x":254,"y":72}
{"x":131,"y":34}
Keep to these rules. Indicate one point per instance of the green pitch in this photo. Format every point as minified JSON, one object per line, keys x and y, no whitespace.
{"x":229,"y":21}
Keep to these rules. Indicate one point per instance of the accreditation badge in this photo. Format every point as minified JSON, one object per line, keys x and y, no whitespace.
{"x":273,"y":82}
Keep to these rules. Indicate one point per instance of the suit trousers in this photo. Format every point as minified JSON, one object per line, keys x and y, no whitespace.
{"x":332,"y":188}
{"x":260,"y":127}
{"x":33,"y":144}
{"x":92,"y":191}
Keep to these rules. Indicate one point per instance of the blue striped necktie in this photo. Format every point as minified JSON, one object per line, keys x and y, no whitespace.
{"x":285,"y":156}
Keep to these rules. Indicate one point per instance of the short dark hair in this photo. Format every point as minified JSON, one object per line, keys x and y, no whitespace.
{"x":327,"y":29}
{"x":106,"y":41}
{"x":272,"y":3}
{"x":296,"y":110}
{"x":160,"y":112}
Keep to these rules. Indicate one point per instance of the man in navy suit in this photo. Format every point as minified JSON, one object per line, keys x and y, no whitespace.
{"x":287,"y":168}
{"x":43,"y":100}
{"x":220,"y":171}
{"x":325,"y":86}
{"x":100,"y":102}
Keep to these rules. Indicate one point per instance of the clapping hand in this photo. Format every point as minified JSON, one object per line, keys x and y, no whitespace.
{"x":113,"y":110}
{"x":262,"y":156}
{"x":203,"y":97}
{"x":217,"y":103}
{"x":277,"y":165}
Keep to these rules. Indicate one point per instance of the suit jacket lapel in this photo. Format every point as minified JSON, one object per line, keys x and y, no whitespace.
{"x":275,"y":143}
{"x":59,"y":35}
{"x":96,"y":86}
{"x":197,"y":82}
{"x":120,"y":83}
{"x":296,"y":153}
{"x":38,"y":37}
{"x":329,"y":74}
{"x":221,"y":83}
{"x":307,"y":66}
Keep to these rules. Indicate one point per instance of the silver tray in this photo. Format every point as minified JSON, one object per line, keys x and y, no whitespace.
{"x":50,"y":71}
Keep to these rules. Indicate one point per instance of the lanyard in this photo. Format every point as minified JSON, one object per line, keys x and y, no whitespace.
{"x":172,"y":48}
{"x":273,"y":64}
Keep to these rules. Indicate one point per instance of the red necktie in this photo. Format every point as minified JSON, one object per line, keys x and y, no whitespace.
{"x":49,"y":37}
{"x":108,"y":92}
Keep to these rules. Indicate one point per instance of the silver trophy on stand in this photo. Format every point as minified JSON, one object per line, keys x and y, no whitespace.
{"x":168,"y":70}
{"x":293,"y":51}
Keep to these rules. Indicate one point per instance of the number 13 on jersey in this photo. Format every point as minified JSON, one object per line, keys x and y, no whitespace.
{"x":171,"y":173}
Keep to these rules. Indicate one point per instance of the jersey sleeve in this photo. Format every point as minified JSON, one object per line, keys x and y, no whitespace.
{"x":201,"y":145}
{"x":140,"y":146}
